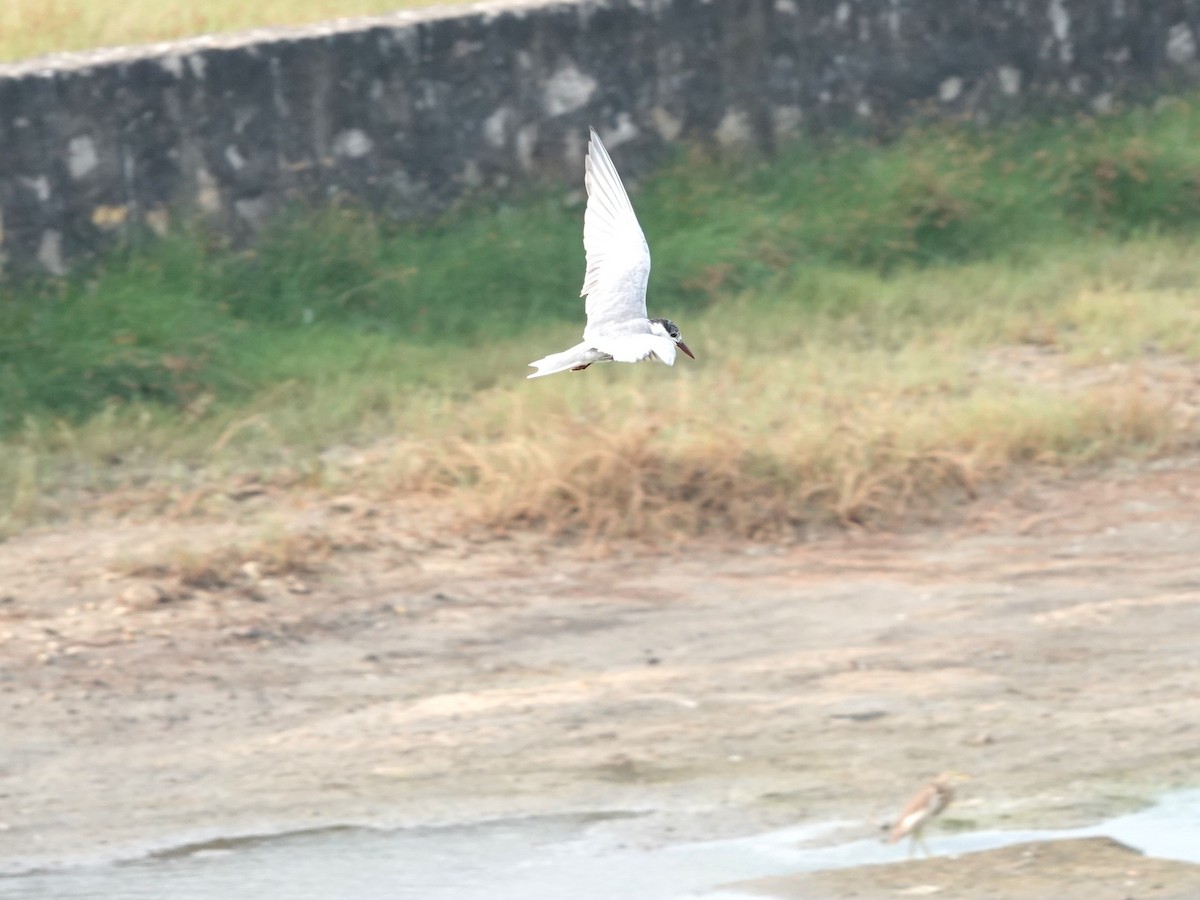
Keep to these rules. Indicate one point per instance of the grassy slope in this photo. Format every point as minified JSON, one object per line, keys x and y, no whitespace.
{"x":34,"y":27}
{"x":840,"y":298}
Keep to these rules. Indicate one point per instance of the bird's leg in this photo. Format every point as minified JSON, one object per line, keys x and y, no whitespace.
{"x":924,"y":846}
{"x":580,"y":368}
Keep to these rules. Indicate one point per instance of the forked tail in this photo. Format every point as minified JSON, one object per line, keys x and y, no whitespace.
{"x":579,"y":355}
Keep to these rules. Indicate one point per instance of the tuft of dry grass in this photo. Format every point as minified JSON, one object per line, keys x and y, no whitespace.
{"x":740,"y":464}
{"x":274,"y":556}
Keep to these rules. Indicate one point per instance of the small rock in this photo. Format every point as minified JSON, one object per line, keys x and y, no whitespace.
{"x":866,"y":715}
{"x":248,"y":492}
{"x":349,"y":503}
{"x":144,"y":595}
{"x":249,"y":634}
{"x":266,"y":590}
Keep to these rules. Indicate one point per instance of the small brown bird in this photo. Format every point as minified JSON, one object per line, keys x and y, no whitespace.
{"x":927,"y":803}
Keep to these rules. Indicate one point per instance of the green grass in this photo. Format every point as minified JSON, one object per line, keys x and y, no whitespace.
{"x":841,"y":299}
{"x":34,"y":27}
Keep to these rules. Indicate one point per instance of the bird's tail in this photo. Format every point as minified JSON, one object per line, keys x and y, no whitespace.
{"x":579,"y":355}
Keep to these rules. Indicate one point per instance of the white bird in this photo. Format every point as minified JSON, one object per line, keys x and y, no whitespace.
{"x":618,"y":269}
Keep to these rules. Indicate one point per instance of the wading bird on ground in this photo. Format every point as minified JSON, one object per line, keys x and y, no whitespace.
{"x":925,"y":805}
{"x":618,"y":269}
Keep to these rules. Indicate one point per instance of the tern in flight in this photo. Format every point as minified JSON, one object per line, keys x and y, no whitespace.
{"x":618,"y":268}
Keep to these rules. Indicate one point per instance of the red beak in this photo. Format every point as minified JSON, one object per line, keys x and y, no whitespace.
{"x":684,"y":347}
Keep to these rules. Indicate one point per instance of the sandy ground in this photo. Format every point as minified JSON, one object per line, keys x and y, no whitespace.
{"x":1083,"y":869}
{"x":1045,"y":643}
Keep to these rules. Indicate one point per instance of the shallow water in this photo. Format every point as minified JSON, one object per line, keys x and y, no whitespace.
{"x":533,"y":859}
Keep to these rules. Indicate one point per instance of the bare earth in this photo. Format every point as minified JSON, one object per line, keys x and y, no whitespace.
{"x":1045,"y":642}
{"x":1081,"y":869}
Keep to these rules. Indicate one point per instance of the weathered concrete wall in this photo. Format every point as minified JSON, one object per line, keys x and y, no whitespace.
{"x":411,"y":111}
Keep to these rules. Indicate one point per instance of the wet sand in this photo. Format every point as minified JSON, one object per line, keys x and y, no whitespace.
{"x":1083,"y":869}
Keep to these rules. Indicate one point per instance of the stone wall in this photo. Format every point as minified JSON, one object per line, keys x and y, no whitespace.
{"x":411,"y":111}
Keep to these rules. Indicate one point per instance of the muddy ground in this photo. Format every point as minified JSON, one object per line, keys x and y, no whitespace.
{"x":1082,"y":869}
{"x":159,"y":683}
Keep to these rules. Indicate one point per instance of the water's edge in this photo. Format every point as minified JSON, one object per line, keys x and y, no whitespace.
{"x":531,"y":858}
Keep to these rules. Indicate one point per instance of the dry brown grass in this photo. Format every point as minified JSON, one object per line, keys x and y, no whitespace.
{"x":34,"y":27}
{"x":273,"y":556}
{"x":854,"y":465}
{"x":783,"y":430}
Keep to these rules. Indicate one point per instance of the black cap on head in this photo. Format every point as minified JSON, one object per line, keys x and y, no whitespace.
{"x":672,"y":329}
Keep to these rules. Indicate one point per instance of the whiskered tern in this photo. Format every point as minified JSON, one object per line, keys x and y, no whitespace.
{"x":618,"y":269}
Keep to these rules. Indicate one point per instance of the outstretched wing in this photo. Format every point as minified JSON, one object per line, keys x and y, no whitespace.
{"x":618,"y":259}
